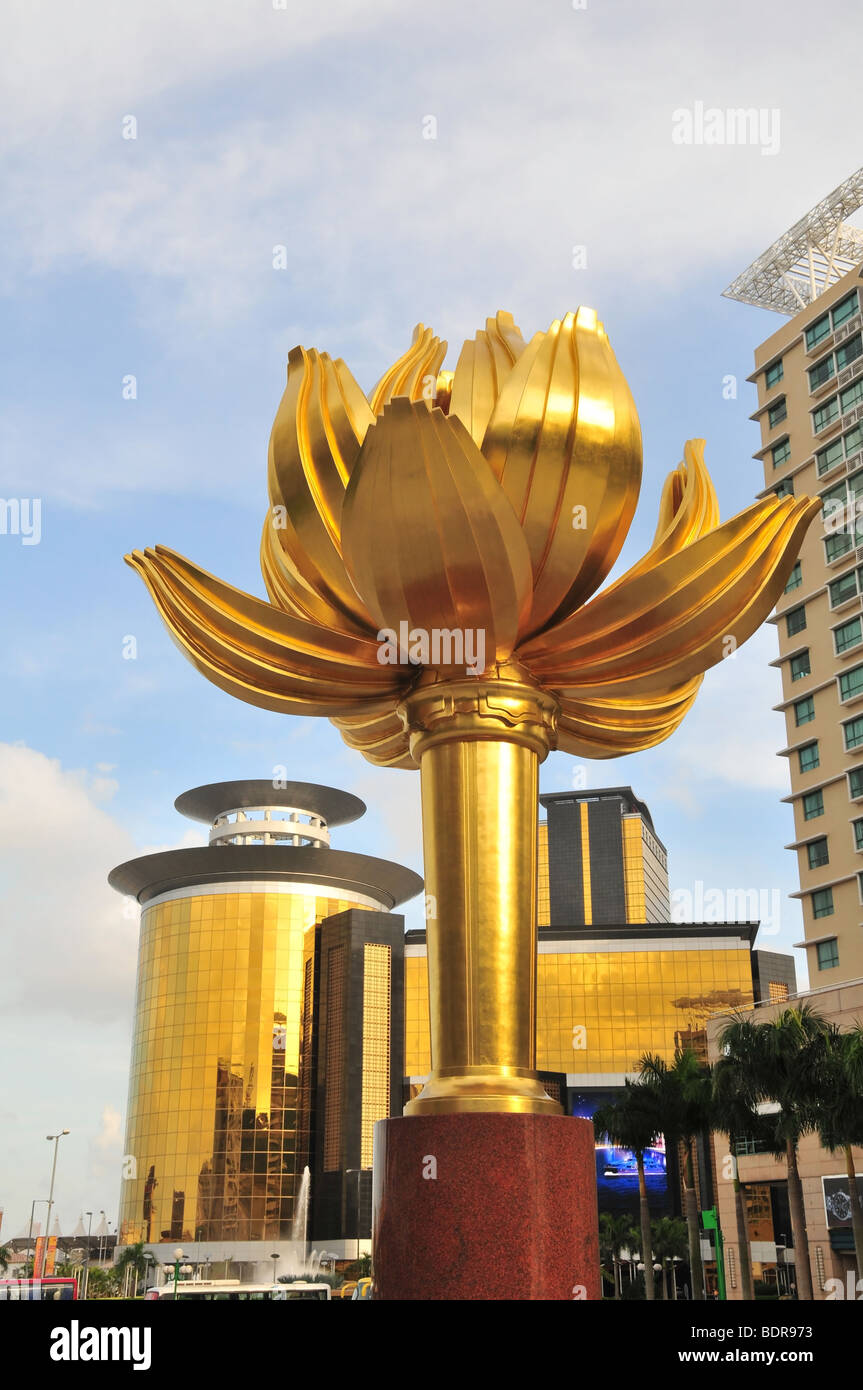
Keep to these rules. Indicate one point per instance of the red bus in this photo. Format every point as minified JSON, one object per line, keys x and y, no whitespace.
{"x":44,"y":1290}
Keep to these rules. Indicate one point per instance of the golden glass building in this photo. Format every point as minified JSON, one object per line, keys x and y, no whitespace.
{"x":608,"y":863}
{"x":606,"y":995}
{"x":215,"y":1151}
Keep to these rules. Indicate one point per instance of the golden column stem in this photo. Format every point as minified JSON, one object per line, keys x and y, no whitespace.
{"x":479,"y":746}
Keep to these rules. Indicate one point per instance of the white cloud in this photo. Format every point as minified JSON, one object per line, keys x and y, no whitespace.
{"x":393,"y":798}
{"x":110,"y":1135}
{"x":256,"y":130}
{"x":192,"y":838}
{"x":732,"y":734}
{"x":106,"y":1149}
{"x":101,"y":60}
{"x":66,"y":948}
{"x":558,"y":153}
{"x":393,"y":827}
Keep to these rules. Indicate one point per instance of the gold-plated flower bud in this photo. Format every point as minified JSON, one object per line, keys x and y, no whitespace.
{"x":495,"y":499}
{"x":492,"y":500}
{"x":429,"y":538}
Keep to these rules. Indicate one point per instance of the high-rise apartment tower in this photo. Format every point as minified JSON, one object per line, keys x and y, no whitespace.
{"x":809,"y":377}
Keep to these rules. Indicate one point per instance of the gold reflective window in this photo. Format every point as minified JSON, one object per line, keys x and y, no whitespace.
{"x":377,"y":986}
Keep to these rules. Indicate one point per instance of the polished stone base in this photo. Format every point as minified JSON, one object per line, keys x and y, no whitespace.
{"x":485,"y":1206}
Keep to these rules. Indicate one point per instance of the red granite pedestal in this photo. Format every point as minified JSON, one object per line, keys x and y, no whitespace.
{"x":485,"y":1206}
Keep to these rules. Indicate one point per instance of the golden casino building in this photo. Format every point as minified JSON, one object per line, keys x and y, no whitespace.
{"x":282,"y":1009}
{"x":259,"y":954}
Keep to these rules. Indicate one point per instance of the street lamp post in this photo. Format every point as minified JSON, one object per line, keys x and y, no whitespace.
{"x":87,"y":1266}
{"x":178,"y":1256}
{"x":101,"y":1237}
{"x":55,"y":1139}
{"x":275,"y":1260}
{"x":30,"y":1232}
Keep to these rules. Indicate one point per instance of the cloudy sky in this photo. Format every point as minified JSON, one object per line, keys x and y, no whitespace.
{"x":258,"y":125}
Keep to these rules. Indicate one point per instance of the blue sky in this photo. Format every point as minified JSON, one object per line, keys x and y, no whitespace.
{"x":259,"y":127}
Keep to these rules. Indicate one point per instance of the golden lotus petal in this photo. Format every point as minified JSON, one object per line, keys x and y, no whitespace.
{"x":288,"y":590}
{"x":319,"y":426}
{"x":286,"y":587}
{"x":257,"y":653}
{"x":380,"y":735}
{"x":688,"y":510}
{"x":483,"y":365}
{"x":613,"y":727}
{"x":444,"y":538}
{"x":681,"y":616}
{"x":415,"y":373}
{"x":565,"y":442}
{"x":429,"y":538}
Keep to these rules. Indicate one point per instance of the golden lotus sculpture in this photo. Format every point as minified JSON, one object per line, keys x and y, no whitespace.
{"x":431,"y":554}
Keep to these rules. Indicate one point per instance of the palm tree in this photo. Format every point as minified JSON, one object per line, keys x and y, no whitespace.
{"x":615,"y":1235}
{"x":730,"y":1115}
{"x":683,"y":1092}
{"x":670,"y":1242}
{"x":634,"y":1123}
{"x":5,"y":1258}
{"x":606,"y":1254}
{"x":779,"y":1062}
{"x":103,"y":1283}
{"x":839,"y":1112}
{"x":633,"y":1253}
{"x":132,"y":1258}
{"x":360,"y":1269}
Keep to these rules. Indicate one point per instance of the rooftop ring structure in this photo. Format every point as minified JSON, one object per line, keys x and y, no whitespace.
{"x":261,"y":832}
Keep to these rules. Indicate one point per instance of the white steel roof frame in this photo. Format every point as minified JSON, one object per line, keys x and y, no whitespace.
{"x":808,"y":258}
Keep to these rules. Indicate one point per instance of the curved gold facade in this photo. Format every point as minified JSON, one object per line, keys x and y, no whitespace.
{"x":212,"y":1116}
